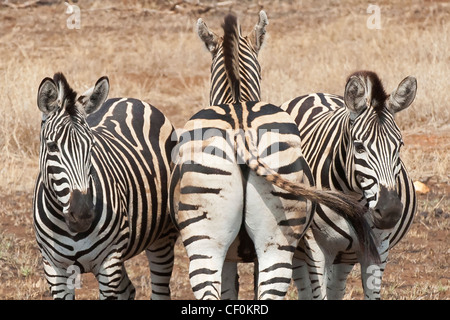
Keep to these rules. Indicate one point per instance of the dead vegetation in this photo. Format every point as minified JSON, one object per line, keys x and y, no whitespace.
{"x":149,"y":50}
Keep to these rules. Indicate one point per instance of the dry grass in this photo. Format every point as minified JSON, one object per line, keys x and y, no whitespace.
{"x":152,"y":52}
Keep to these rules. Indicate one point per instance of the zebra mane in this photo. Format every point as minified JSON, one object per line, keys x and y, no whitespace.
{"x":231,"y":53}
{"x":377,"y":95}
{"x":66,"y":94}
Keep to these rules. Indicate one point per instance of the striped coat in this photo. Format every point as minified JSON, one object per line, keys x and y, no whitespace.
{"x":352,"y":144}
{"x":101,"y":194}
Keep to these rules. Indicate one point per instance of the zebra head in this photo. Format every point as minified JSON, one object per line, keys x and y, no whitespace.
{"x":374,"y":162}
{"x":66,"y":144}
{"x":235,"y":70}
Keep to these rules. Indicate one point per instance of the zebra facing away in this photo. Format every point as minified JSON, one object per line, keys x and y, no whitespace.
{"x":241,"y":61}
{"x":101,"y":193}
{"x":352,"y":144}
{"x":234,"y":60}
{"x":241,"y":189}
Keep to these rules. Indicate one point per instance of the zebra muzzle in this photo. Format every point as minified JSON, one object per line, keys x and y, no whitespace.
{"x":80,"y":214}
{"x":388,"y":209}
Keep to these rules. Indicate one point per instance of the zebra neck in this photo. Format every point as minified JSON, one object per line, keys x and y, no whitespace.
{"x":327,"y":151}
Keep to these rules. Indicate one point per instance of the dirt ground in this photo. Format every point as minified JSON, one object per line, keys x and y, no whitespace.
{"x":417,"y":267}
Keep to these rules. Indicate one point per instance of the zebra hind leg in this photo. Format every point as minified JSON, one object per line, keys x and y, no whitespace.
{"x":337,"y":280}
{"x":160,"y":255}
{"x":207,"y":252}
{"x":209,"y":217}
{"x":275,"y":236}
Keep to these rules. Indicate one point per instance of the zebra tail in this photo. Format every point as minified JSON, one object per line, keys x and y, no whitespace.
{"x":343,"y":204}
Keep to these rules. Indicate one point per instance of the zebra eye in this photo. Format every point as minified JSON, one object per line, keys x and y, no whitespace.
{"x":359,"y":147}
{"x":52,"y":146}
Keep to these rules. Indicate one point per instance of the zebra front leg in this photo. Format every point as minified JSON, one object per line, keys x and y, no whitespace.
{"x":337,"y":280}
{"x":300,"y":276}
{"x":318,"y":261}
{"x":308,"y":268}
{"x":371,"y":277}
{"x":300,"y":270}
{"x":372,"y":274}
{"x":160,"y":255}
{"x":113,"y":281}
{"x":62,"y":283}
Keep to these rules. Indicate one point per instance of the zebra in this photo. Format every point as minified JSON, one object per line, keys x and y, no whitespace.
{"x":101,"y":194}
{"x":235,"y":163}
{"x":242,"y":58}
{"x":352,"y":144}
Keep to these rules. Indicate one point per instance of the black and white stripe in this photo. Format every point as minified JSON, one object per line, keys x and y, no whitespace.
{"x":352,"y":144}
{"x":101,"y":194}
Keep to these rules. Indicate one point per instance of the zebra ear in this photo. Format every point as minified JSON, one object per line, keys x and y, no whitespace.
{"x":404,"y":95}
{"x":47,"y":96}
{"x":209,"y":38}
{"x":355,"y":96}
{"x":93,"y":98}
{"x":259,"y":32}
